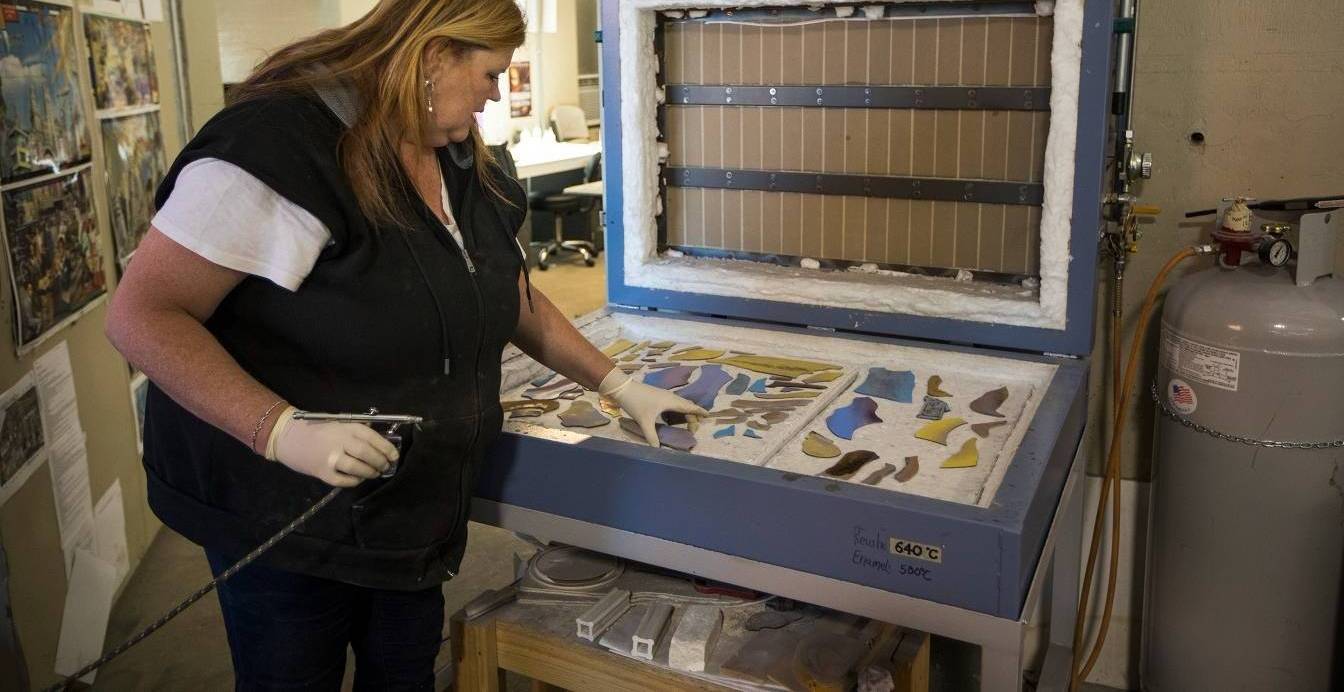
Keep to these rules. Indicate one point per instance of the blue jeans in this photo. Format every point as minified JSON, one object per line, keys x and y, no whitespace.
{"x":288,"y":631}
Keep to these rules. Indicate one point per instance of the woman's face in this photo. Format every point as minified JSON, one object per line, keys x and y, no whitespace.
{"x":463,"y":82}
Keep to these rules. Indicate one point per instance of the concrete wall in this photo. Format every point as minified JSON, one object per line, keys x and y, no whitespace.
{"x":1263,"y":81}
{"x":28,"y":526}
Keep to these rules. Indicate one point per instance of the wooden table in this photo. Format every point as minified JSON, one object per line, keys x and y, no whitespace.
{"x":533,"y":642}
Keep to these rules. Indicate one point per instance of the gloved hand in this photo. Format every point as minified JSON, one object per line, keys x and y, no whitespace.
{"x":338,"y":454}
{"x":644,"y":403}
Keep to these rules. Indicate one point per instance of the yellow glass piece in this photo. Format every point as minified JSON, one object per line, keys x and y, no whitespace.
{"x":805,"y":394}
{"x":770,"y":365}
{"x":697,"y":354}
{"x":608,"y":406}
{"x":662,"y":345}
{"x":965,"y":458}
{"x":938,"y":430}
{"x":825,"y":376}
{"x":617,"y":347}
{"x":816,"y":445}
{"x":936,"y":388}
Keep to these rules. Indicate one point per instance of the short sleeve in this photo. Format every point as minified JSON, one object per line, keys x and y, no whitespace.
{"x":224,"y":214}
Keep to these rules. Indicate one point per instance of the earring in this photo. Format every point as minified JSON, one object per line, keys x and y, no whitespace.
{"x":429,"y":98}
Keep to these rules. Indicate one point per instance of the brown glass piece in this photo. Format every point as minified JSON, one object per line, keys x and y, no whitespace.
{"x":988,"y":403}
{"x":876,"y":477}
{"x":982,"y":429}
{"x":850,"y":463}
{"x":775,"y":417}
{"x":935,"y":387}
{"x":909,"y":470}
{"x":794,"y":385}
{"x":581,"y":414}
{"x":758,"y":425}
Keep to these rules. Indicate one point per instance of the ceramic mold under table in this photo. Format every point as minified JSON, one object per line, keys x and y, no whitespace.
{"x":974,"y":280}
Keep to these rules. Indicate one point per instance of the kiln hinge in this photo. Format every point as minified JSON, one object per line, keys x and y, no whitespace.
{"x":821,"y":329}
{"x":1070,"y":356}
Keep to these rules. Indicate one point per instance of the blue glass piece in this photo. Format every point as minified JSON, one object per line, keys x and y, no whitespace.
{"x":726,"y":432}
{"x":758,"y":387}
{"x":752,"y":434}
{"x":670,"y":378}
{"x":706,"y":387}
{"x":896,"y":385}
{"x":860,"y":412}
{"x":540,"y":381}
{"x":738,"y":385}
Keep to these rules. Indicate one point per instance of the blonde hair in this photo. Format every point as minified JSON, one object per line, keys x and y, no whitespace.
{"x":381,"y":56}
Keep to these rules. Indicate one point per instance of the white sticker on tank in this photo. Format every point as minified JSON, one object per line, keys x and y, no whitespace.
{"x":1216,"y":367}
{"x":1181,"y":396}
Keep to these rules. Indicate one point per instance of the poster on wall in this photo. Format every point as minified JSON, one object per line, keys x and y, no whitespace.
{"x":134,"y":165}
{"x":520,"y":89}
{"x":22,"y":438}
{"x":121,"y":58}
{"x":42,"y":123}
{"x":52,"y":247}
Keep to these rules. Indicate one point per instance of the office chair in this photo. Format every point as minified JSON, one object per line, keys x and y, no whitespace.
{"x":563,"y":206}
{"x":569,"y":123}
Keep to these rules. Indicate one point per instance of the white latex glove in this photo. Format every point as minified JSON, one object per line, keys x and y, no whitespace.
{"x":644,"y":403}
{"x":339,"y":454}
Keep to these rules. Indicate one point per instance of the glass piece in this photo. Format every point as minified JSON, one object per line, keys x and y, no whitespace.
{"x":660,"y":366}
{"x":804,"y":394}
{"x":763,"y":405}
{"x":726,"y":432}
{"x":989,"y":402}
{"x":706,"y":387}
{"x":876,"y":477}
{"x":850,"y":463}
{"x":937,"y":431}
{"x":676,"y":438}
{"x":738,"y":385}
{"x":982,"y":429}
{"x":630,"y":368}
{"x":894,"y":385}
{"x":542,"y":380}
{"x":648,"y":360}
{"x":770,"y":365}
{"x":581,"y":414}
{"x":860,"y":412}
{"x":608,"y":406}
{"x":671,"y":378}
{"x":933,"y":409}
{"x":824,"y":376}
{"x":543,"y":406}
{"x":688,"y":349}
{"x":965,"y":458}
{"x":662,"y":345}
{"x":757,"y":387}
{"x":571,"y":391}
{"x":571,"y":394}
{"x":629,"y":357}
{"x":791,"y":385}
{"x":775,"y":417}
{"x":697,"y":354}
{"x":935,"y":386}
{"x":909,"y":470}
{"x":759,"y":425}
{"x":617,"y":347}
{"x":752,"y":434}
{"x":725,"y":412}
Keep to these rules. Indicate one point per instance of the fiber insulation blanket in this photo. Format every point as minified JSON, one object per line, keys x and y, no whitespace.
{"x":855,"y":411}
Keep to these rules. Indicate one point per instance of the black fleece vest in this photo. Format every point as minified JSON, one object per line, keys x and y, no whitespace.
{"x":370,"y":327}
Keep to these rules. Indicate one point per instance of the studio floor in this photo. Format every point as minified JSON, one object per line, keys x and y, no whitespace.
{"x":192,"y":652}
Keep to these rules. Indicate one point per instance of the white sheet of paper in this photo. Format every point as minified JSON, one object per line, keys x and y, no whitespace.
{"x":153,"y":10}
{"x":82,"y":539}
{"x":108,"y":6}
{"x":22,"y":448}
{"x":70,"y":485}
{"x":88,"y":603}
{"x":56,"y":384}
{"x":109,"y":530}
{"x":132,"y":9}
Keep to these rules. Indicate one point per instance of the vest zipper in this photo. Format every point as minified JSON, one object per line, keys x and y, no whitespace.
{"x":464,"y":494}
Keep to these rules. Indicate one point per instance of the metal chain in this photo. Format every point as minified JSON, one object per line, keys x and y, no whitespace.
{"x":1274,"y":444}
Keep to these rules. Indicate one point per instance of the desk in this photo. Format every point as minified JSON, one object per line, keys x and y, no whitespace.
{"x":594,"y":189}
{"x":537,"y":159}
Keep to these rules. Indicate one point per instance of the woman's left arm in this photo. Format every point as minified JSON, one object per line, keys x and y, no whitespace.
{"x":544,"y":333}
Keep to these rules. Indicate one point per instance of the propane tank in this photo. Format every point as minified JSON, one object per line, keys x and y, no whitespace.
{"x":1246,"y":537}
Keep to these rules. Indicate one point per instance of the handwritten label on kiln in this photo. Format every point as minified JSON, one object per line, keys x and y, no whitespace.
{"x":1216,"y":367}
{"x":875,"y":551}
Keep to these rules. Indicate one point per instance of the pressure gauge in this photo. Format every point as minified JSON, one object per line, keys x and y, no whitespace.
{"x":1275,"y":252}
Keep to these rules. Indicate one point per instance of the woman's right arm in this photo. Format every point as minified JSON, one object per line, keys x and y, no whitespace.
{"x":156,"y":320}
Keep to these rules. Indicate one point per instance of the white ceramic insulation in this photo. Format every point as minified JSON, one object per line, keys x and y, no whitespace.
{"x":966,"y":376}
{"x":925,"y":296}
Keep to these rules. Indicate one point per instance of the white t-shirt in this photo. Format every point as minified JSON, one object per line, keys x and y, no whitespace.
{"x":226,"y":215}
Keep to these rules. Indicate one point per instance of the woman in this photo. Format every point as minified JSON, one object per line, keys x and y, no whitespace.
{"x":339,"y":239}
